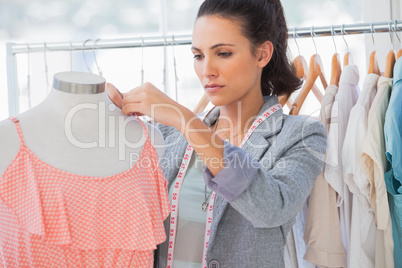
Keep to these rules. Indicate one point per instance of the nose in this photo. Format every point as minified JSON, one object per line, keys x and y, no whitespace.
{"x":209,"y":68}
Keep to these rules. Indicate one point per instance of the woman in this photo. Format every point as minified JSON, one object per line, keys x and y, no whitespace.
{"x":239,"y":49}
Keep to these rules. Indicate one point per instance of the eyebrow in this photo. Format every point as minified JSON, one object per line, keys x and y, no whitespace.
{"x":214,"y":46}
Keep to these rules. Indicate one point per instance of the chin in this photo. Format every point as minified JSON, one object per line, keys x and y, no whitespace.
{"x":218,"y":101}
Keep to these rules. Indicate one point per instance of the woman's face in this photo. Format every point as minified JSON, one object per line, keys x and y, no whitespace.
{"x":224,"y":62}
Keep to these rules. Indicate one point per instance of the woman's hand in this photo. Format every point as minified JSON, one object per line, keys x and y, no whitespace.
{"x":149,"y":100}
{"x":114,"y":95}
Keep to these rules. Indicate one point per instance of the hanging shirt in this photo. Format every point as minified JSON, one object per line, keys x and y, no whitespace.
{"x":52,"y":218}
{"x":191,"y":219}
{"x":345,"y":99}
{"x":393,"y":145}
{"x":361,"y":250}
{"x":373,"y":161}
{"x":322,"y":233}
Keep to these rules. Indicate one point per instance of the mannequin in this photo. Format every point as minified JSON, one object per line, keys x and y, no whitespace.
{"x":78,"y":129}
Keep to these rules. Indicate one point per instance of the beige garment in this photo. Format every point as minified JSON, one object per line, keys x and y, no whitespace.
{"x":373,"y":164}
{"x":322,"y":233}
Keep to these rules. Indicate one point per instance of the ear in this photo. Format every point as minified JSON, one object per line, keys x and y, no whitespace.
{"x":265,"y":53}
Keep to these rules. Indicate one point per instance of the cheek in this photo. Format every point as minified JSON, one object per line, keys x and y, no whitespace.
{"x":246,"y":68}
{"x":238,"y":70}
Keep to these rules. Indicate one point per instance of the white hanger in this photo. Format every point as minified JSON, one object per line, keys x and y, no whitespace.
{"x":315,"y":70}
{"x":302,"y":67}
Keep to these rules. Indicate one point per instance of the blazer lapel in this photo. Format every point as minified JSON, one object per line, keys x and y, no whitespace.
{"x":258,"y":142}
{"x":256,"y":146}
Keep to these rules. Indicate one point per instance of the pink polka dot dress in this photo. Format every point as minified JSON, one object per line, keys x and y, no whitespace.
{"x":52,"y":218}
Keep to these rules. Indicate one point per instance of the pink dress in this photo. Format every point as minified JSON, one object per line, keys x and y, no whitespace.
{"x":52,"y":218}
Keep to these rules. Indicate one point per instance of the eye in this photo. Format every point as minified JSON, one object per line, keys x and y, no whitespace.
{"x":197,"y":56}
{"x":225,"y":54}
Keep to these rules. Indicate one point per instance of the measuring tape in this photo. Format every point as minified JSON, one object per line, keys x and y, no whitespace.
{"x":179,"y":182}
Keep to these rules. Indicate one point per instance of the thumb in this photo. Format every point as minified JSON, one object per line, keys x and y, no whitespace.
{"x":115,"y":95}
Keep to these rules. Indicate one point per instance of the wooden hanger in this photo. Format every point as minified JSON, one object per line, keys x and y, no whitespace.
{"x":390,"y":60}
{"x":347,"y":54}
{"x":398,"y":55}
{"x":315,"y":71}
{"x":303,"y":75}
{"x":302,"y":70}
{"x":389,"y":64}
{"x":335,"y":63}
{"x":300,"y":66}
{"x":346,"y":59}
{"x":285,"y":100}
{"x":396,"y":29}
{"x":373,"y":64}
{"x":336,"y":69}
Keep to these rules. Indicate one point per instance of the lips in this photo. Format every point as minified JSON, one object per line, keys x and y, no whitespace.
{"x":211,"y":88}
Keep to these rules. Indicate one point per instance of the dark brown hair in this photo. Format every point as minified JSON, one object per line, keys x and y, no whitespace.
{"x":260,"y":21}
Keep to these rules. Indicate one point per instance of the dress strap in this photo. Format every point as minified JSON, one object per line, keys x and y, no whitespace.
{"x":18,"y":126}
{"x":143,"y":127}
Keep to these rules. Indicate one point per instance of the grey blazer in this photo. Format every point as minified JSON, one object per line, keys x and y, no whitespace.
{"x":250,"y":231}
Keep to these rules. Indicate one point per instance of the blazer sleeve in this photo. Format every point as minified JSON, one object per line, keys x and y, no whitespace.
{"x":165,"y":130}
{"x":271,"y":196}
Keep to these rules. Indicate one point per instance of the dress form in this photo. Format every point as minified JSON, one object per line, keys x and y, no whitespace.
{"x":78,"y":129}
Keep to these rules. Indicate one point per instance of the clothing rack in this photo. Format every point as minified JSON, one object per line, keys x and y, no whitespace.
{"x":169,"y":40}
{"x":159,"y":41}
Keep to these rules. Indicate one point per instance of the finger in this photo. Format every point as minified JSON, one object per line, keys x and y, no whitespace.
{"x":152,"y":86}
{"x":131,"y":99}
{"x":114,"y":95}
{"x":113,"y":89}
{"x":130,"y":109}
